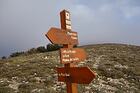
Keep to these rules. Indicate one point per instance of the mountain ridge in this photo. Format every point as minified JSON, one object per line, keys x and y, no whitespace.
{"x":117,"y":69}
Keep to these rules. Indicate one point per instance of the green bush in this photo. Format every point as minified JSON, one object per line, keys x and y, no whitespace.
{"x":32,"y":51}
{"x":16,"y":54}
{"x":41,"y":49}
{"x":4,"y":57}
{"x":53,"y":47}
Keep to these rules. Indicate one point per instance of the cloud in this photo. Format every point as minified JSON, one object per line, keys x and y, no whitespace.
{"x":83,"y":11}
{"x":107,"y":22}
{"x":130,"y":12}
{"x":129,"y":8}
{"x":24,"y":23}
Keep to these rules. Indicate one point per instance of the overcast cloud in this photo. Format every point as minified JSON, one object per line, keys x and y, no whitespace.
{"x":24,"y":22}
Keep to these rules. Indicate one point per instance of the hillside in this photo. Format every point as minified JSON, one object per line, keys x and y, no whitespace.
{"x":117,"y":68}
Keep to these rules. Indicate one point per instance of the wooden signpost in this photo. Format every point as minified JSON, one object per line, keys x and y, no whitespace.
{"x":69,"y":56}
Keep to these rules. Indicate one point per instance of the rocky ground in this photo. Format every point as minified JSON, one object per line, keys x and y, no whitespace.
{"x":117,"y":69}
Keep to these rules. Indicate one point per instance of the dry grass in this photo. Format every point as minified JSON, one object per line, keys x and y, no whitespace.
{"x":117,"y":69}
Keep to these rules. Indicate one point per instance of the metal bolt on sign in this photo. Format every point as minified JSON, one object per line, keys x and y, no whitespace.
{"x":69,"y":56}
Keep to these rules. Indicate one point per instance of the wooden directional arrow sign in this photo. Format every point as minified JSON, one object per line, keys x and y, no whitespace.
{"x":70,"y":55}
{"x":81,"y":75}
{"x":59,"y":36}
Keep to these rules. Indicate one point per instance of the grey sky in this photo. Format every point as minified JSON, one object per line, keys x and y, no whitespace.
{"x":24,"y":22}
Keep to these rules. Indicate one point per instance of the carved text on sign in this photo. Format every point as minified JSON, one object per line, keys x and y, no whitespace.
{"x":63,"y":75}
{"x":73,"y":35}
{"x":69,"y":55}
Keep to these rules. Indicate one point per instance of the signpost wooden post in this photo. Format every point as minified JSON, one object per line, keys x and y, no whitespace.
{"x":69,"y":56}
{"x":65,"y":19}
